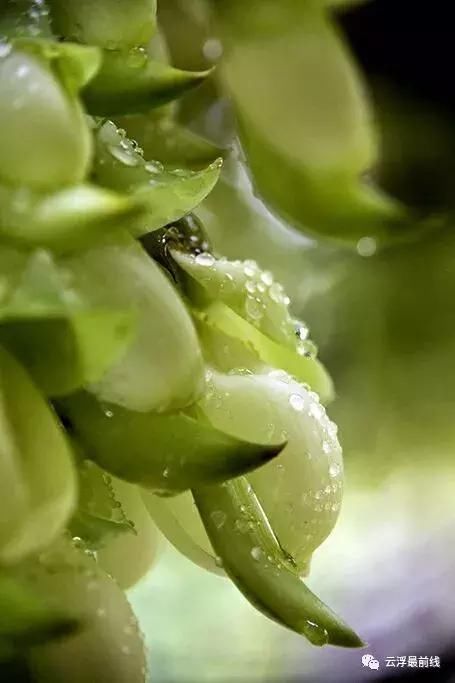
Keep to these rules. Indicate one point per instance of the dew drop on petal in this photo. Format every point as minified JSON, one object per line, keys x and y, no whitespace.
{"x":276,"y":292}
{"x":254,"y":309}
{"x":212,"y":49}
{"x":316,"y":634}
{"x":326,"y":447}
{"x":125,"y":156}
{"x":205,"y":259}
{"x":334,"y":469}
{"x":316,"y":411}
{"x":366,"y":246}
{"x":267,"y":278}
{"x":297,"y":402}
{"x":256,"y":553}
{"x":219,"y":518}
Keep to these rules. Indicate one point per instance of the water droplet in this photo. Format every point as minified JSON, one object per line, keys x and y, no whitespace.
{"x":212,"y":49}
{"x":326,"y":447}
{"x":250,"y":287}
{"x":318,"y":495}
{"x":242,"y":525}
{"x":334,"y":469}
{"x":254,"y":309}
{"x":166,"y":472}
{"x":219,"y":518}
{"x":256,"y":553}
{"x":297,"y":402}
{"x":154,"y":167}
{"x":317,"y":635}
{"x":125,"y":156}
{"x":205,"y":259}
{"x":270,"y":431}
{"x":250,"y":268}
{"x":302,"y":332}
{"x":218,"y":561}
{"x":267,"y":278}
{"x":137,"y":57}
{"x":279,"y":374}
{"x":316,"y":410}
{"x":366,"y":246}
{"x":332,"y":430}
{"x":276,"y":292}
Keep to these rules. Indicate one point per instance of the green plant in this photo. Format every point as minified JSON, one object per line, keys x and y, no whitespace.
{"x":141,"y":373}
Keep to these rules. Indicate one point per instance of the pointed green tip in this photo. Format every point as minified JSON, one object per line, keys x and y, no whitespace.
{"x":346,"y":637}
{"x":273,"y":451}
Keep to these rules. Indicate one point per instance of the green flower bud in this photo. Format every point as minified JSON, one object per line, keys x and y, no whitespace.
{"x":242,"y":301}
{"x":300,"y":491}
{"x":44,"y":137}
{"x":108,"y":645}
{"x":162,"y":369}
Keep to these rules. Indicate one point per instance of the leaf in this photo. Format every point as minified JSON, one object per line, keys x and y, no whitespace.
{"x":305,"y":120}
{"x":64,"y":341}
{"x":251,"y":555}
{"x":99,"y":516}
{"x":108,"y":23}
{"x":165,"y":196}
{"x":37,"y":495}
{"x":166,"y":453}
{"x":128,"y":84}
{"x":164,"y":139}
{"x":65,"y":220}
